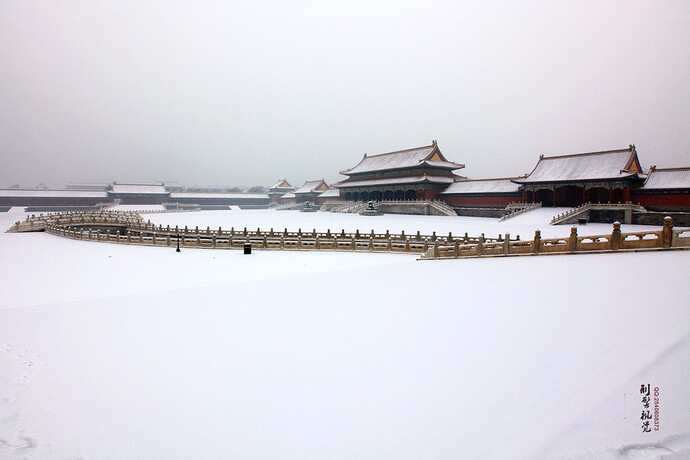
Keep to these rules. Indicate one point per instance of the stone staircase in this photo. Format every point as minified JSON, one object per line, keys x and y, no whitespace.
{"x":516,"y":211}
{"x":573,"y":215}
{"x":352,"y":207}
{"x":288,"y":206}
{"x":443,"y":207}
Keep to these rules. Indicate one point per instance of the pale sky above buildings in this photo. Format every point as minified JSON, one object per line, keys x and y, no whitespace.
{"x":244,"y":93}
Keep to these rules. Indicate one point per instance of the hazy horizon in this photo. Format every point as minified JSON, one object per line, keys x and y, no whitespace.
{"x":245,"y":93}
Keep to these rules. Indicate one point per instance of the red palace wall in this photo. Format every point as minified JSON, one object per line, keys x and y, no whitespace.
{"x":671,"y":201}
{"x":221,"y":201}
{"x":481,"y":201}
{"x":139,"y":199}
{"x":50,"y":201}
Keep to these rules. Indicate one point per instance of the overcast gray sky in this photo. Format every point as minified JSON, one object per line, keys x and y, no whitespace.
{"x":244,"y":93}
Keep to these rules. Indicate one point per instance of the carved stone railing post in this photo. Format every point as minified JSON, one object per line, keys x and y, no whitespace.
{"x":667,"y":232}
{"x":616,"y":236}
{"x":506,"y":244}
{"x":572,"y":241}
{"x":537,"y":241}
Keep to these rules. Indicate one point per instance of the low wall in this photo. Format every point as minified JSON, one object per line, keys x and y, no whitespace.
{"x":480,"y":212}
{"x":485,"y":200}
{"x":680,"y":219}
{"x":252,"y":206}
{"x":60,"y":208}
{"x":609,"y":216}
{"x":412,"y":207}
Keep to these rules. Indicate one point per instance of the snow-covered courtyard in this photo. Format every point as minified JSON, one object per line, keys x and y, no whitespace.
{"x":110,"y":351}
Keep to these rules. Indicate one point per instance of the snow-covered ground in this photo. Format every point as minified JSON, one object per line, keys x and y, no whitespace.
{"x":110,"y":351}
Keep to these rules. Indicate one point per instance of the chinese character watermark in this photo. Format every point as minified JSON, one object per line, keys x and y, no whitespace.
{"x":649,"y":415}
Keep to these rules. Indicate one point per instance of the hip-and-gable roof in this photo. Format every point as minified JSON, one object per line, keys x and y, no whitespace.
{"x":430,"y":155}
{"x":607,"y":165}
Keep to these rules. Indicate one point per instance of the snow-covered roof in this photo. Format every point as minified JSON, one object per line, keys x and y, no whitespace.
{"x":612,"y":164}
{"x":233,"y":196}
{"x":147,"y":189}
{"x":311,"y":186}
{"x":397,"y":180}
{"x":430,"y":155}
{"x":288,"y":196}
{"x":330,"y":193}
{"x":668,"y":178}
{"x":503,"y":185}
{"x":35,"y":193}
{"x":281,"y":184}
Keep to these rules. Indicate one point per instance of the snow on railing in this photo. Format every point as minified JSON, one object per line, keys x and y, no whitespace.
{"x":357,"y":206}
{"x":522,"y":210}
{"x":564,"y":217}
{"x":130,"y":228}
{"x":287,"y":206}
{"x":665,"y":238}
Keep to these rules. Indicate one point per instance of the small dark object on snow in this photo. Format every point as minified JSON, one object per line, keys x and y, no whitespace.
{"x":247,"y":248}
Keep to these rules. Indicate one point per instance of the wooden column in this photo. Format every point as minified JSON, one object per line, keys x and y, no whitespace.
{"x":554,"y":197}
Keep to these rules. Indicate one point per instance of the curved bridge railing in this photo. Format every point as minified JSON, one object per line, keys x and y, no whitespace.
{"x":130,"y":228}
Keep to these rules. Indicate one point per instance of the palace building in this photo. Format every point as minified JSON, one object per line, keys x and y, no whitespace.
{"x":280,"y":188}
{"x":421,"y":173}
{"x":572,"y":180}
{"x":310,"y":190}
{"x":666,"y":189}
{"x":418,"y":173}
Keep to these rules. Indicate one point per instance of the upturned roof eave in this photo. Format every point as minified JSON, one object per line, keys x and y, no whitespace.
{"x":426,"y":179}
{"x":554,"y":181}
{"x":425,"y":162}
